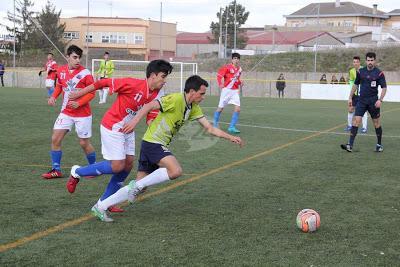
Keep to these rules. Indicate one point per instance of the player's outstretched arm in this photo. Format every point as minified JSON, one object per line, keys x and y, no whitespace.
{"x":77,"y":94}
{"x":130,"y":126}
{"x":219,"y":133}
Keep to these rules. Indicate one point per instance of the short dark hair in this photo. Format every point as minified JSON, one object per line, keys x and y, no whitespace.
{"x":356,"y":57}
{"x":106,"y":53}
{"x":236,"y":55}
{"x":370,"y":55}
{"x":50,"y":54}
{"x":194,"y":82}
{"x":157,"y":66}
{"x":74,"y":49}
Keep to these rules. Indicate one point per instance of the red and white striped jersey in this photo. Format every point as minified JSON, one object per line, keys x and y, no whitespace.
{"x":133,"y":94}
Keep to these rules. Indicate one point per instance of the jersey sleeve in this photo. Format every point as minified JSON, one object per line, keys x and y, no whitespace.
{"x":382,"y":80}
{"x":167,"y":103}
{"x":196,"y":113}
{"x":357,"y":80}
{"x":220,"y":75}
{"x":88,"y":97}
{"x":100,"y":68}
{"x":57,"y":91}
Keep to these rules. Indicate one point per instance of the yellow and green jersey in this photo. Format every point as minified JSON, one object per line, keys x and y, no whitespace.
{"x":174,"y":112}
{"x":106,"y":68}
{"x":352,"y":78}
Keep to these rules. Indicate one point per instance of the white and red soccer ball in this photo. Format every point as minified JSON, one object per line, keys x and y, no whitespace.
{"x":308,"y":220}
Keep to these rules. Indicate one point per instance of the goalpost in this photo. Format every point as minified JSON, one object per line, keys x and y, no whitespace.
{"x":137,"y":69}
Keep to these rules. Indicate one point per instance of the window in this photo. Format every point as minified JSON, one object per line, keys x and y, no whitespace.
{"x":113,"y":38}
{"x":348,"y":23}
{"x":89,"y":38}
{"x":71,"y":35}
{"x":105,"y":38}
{"x":139,"y":39}
{"x":122,"y":38}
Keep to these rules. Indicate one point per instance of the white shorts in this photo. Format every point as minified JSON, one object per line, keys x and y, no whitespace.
{"x":229,"y":96}
{"x":49,"y":83}
{"x":116,"y":145}
{"x":83,"y":125}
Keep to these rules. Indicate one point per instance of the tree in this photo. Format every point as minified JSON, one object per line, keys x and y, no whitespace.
{"x":27,"y":24}
{"x":49,"y":22}
{"x":23,"y":23}
{"x":241,"y":18}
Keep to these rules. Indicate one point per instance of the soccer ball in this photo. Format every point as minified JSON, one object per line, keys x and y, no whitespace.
{"x":308,"y":220}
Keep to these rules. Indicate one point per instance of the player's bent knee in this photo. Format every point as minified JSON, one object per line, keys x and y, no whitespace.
{"x":175,"y":173}
{"x":117,"y":165}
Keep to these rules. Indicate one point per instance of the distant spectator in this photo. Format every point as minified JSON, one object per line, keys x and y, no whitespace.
{"x":323,"y":79}
{"x":2,"y":70}
{"x":342,"y":80}
{"x":280,"y":85}
{"x":334,"y":80}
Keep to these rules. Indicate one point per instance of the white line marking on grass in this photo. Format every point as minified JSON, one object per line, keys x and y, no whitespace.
{"x":305,"y":130}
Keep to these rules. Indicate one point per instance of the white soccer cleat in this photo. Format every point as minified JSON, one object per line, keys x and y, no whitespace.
{"x":101,"y":214}
{"x":133,"y":191}
{"x":73,"y":171}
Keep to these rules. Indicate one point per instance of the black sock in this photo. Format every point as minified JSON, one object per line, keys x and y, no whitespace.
{"x":353,"y":133}
{"x":378,"y":132}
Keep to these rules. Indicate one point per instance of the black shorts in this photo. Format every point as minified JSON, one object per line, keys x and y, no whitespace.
{"x":354,"y":100}
{"x":150,"y":156}
{"x":368,"y":104}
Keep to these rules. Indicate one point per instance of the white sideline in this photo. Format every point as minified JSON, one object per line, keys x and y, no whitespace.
{"x":305,"y":130}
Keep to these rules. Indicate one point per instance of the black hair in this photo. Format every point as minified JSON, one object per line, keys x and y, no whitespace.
{"x":157,"y":66}
{"x":370,"y":55}
{"x":236,"y":55}
{"x":74,"y":49}
{"x":356,"y":57}
{"x":106,"y":53}
{"x":50,"y":54}
{"x":194,"y":82}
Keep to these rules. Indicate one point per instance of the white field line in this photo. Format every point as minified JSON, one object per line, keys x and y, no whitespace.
{"x":305,"y":130}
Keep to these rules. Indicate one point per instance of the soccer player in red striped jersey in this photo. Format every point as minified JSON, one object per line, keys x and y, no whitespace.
{"x":51,"y":69}
{"x":71,"y":77}
{"x":118,"y":148}
{"x":230,"y":86}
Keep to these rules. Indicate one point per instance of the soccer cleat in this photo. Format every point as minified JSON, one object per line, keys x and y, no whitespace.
{"x":379,"y":148}
{"x":364,"y":130}
{"x":347,"y":129}
{"x":52,"y":174}
{"x":133,"y":191}
{"x":101,"y":214}
{"x":115,"y":209}
{"x":73,"y":179}
{"x":71,"y":184}
{"x":347,"y":147}
{"x":233,"y":130}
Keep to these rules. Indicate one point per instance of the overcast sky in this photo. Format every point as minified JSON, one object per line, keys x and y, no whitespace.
{"x":190,"y":15}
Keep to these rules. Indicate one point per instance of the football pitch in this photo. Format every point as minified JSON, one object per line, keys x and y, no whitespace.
{"x":233,"y":206}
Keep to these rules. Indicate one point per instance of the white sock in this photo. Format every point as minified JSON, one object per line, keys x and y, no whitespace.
{"x":120,"y":196}
{"x":350,"y":119}
{"x":100,"y":95}
{"x":105,"y":94}
{"x":157,"y":177}
{"x":365,"y":121}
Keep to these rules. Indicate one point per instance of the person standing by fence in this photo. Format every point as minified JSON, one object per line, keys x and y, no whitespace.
{"x":280,"y":85}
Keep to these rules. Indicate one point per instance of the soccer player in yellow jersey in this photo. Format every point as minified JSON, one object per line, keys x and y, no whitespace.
{"x":156,"y":162}
{"x":105,"y":70}
{"x":350,"y":115}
